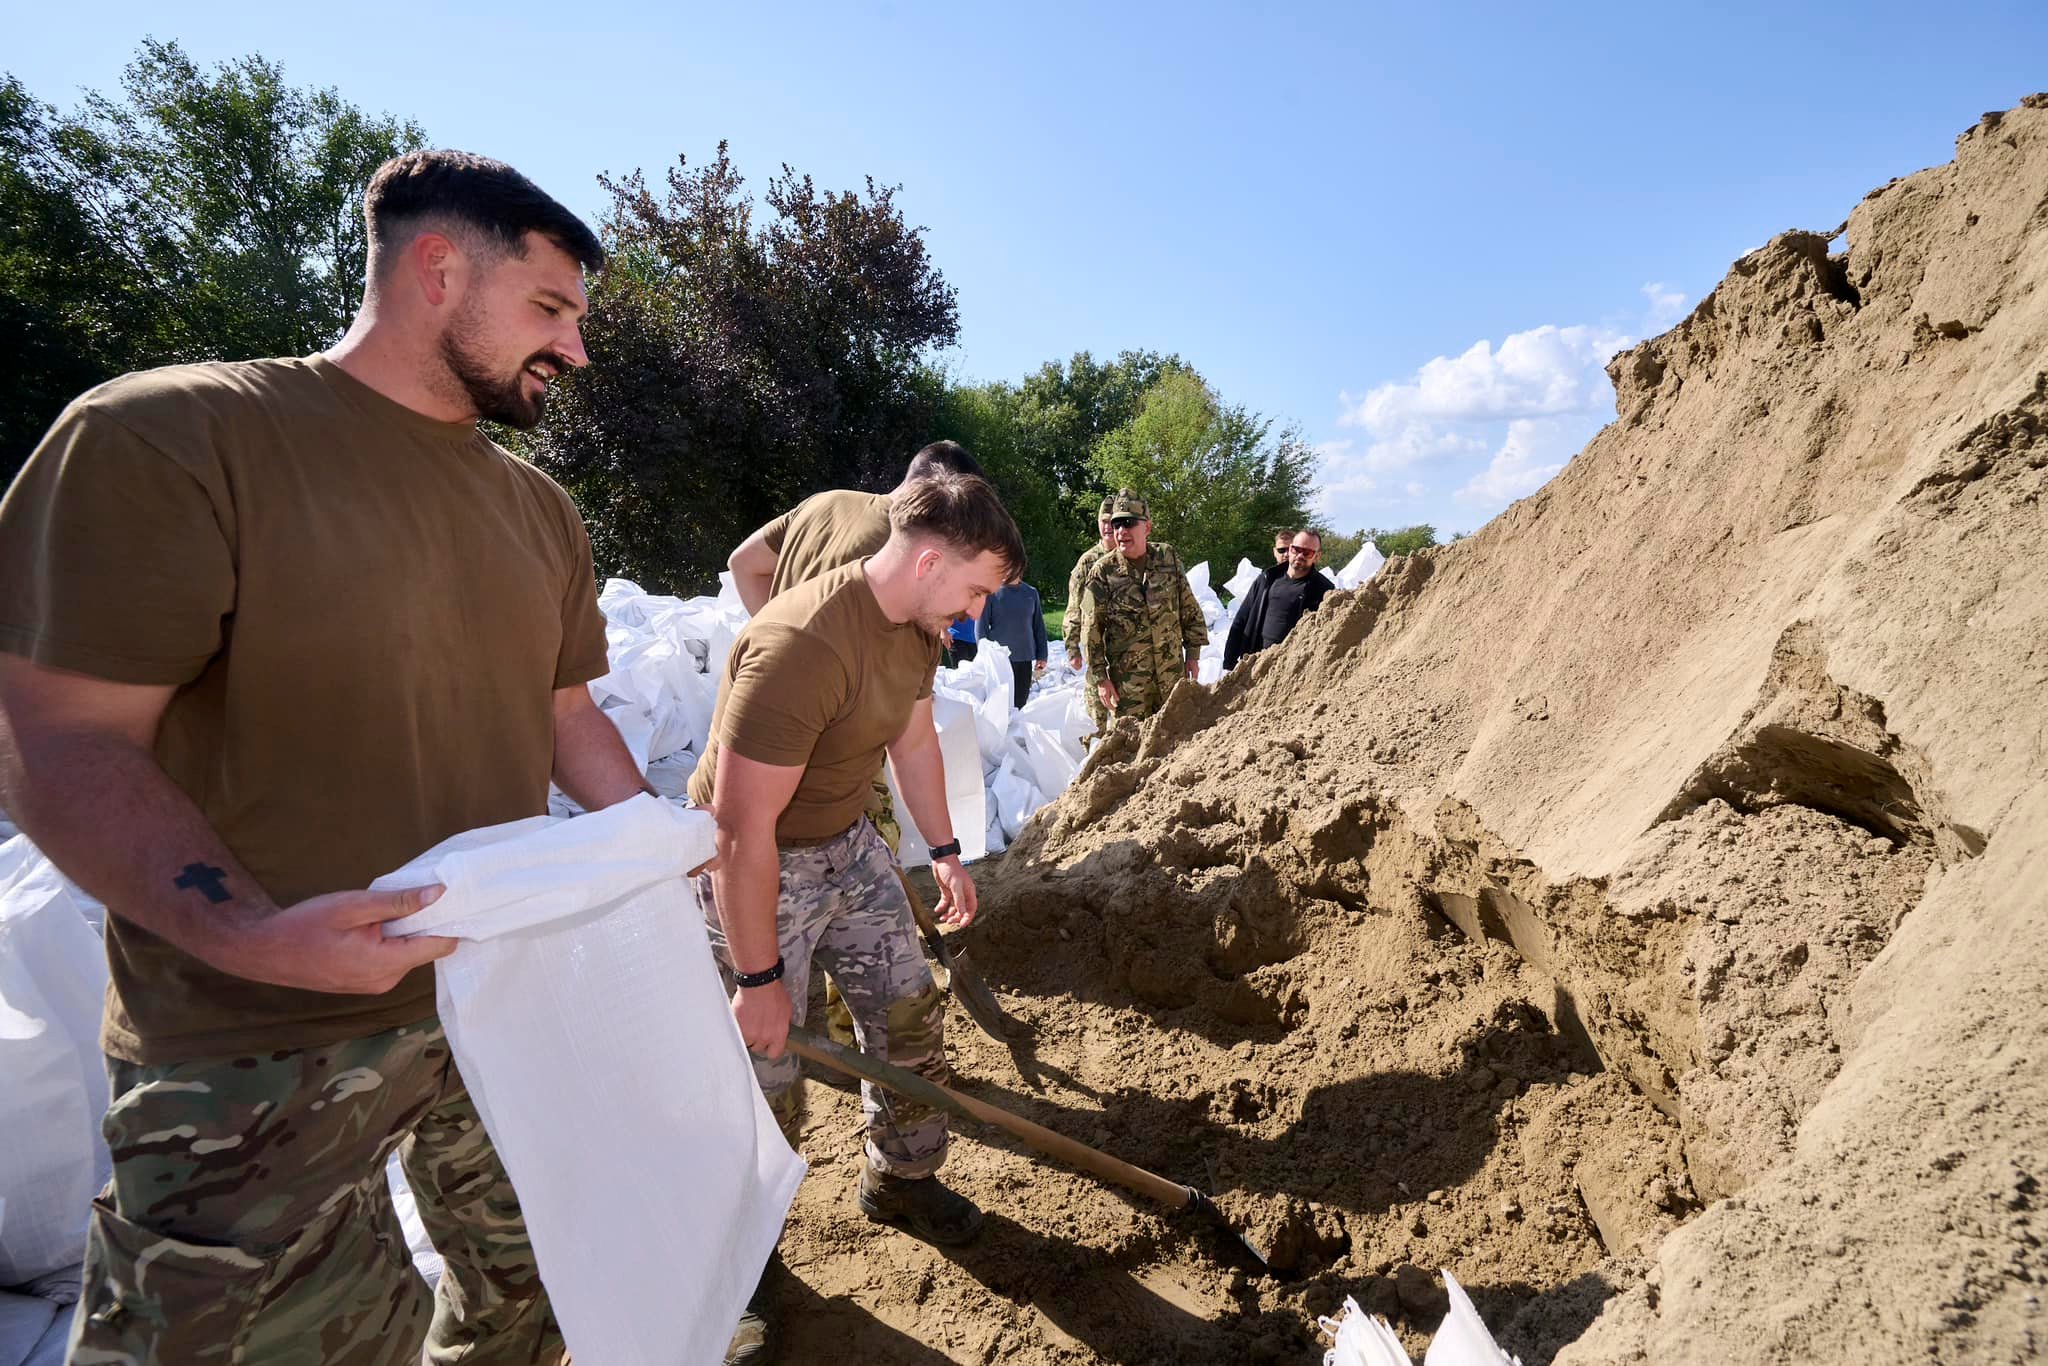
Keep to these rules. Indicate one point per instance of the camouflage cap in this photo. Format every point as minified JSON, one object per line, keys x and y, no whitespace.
{"x":1108,"y":501}
{"x":1128,"y":504}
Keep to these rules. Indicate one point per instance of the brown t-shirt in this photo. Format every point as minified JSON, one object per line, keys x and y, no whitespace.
{"x":823,"y":680}
{"x":823,"y":532}
{"x":365,"y":613}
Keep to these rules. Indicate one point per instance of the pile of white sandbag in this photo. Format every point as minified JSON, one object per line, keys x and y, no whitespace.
{"x":1003,"y":762}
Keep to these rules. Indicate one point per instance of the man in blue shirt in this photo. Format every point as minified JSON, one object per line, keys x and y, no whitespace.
{"x":1013,"y":619}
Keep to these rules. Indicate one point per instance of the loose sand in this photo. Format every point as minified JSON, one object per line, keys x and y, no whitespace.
{"x":1637,"y":908}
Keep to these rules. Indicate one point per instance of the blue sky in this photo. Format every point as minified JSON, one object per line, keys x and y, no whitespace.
{"x":1415,"y":231}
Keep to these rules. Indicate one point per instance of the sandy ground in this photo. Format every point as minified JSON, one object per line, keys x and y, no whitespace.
{"x":1635,"y":908}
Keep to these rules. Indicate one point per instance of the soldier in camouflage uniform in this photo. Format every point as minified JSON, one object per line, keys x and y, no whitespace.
{"x":1077,"y":619}
{"x":1144,"y":630}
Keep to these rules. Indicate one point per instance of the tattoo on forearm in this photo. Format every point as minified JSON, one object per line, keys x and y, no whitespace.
{"x":205,"y":878}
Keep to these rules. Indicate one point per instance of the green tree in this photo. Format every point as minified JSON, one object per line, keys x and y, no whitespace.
{"x":1070,"y":407}
{"x":1216,"y":476}
{"x":1402,"y":541}
{"x":991,"y":420}
{"x":739,"y":367}
{"x":197,"y":216}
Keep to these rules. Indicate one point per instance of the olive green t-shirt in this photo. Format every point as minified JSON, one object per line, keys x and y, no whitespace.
{"x":364,"y":613}
{"x":823,"y":532}
{"x":823,"y":680}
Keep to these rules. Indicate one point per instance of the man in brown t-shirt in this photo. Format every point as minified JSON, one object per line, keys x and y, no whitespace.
{"x":827,"y":678}
{"x":829,"y":529}
{"x":267,"y":631}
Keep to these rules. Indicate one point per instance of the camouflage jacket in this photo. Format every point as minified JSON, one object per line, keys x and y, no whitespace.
{"x":1143,"y":622}
{"x":1077,"y":618}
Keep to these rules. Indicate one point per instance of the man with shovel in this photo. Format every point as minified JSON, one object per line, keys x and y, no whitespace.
{"x":825,"y":532}
{"x":829,"y":677}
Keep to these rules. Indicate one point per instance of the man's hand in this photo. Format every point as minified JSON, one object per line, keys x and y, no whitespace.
{"x":763,"y":1015}
{"x":1074,"y":660}
{"x":1106,"y":690}
{"x":957,"y":898}
{"x":333,"y":943}
{"x":1037,"y":667}
{"x":1194,"y":669}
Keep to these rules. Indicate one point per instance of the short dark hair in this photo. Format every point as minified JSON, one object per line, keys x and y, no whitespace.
{"x":489,"y":198}
{"x":943,"y":457}
{"x":1286,"y":533}
{"x":963,"y":511}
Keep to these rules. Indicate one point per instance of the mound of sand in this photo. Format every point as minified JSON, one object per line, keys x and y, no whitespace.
{"x":1636,"y":907}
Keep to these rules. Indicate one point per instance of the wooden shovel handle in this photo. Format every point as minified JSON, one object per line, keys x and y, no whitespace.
{"x":904,"y":1082}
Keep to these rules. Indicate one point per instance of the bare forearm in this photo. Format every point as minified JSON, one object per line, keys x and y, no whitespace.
{"x":921,"y":774}
{"x":746,"y":885}
{"x":592,"y":763}
{"x":106,"y":814}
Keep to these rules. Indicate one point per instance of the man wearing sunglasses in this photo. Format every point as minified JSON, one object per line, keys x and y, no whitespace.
{"x":1277,"y":599}
{"x":1144,"y":631}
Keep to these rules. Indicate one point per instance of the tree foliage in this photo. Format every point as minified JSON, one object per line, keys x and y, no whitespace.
{"x":1216,"y":477}
{"x":1338,"y":550}
{"x":197,"y":216}
{"x":1034,"y":438}
{"x":737,"y":368}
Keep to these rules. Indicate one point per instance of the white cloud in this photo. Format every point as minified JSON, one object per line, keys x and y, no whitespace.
{"x":1667,"y":306}
{"x":1542,"y":372}
{"x":1535,"y":449}
{"x":1416,"y":490}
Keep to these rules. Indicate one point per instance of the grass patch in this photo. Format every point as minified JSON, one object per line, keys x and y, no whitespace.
{"x":1056,"y":623}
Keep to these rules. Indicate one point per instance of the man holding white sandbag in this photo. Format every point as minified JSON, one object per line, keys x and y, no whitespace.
{"x":268,"y":630}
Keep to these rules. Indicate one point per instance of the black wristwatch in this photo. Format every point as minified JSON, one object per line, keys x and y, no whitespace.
{"x":950,"y":849}
{"x":761,"y":978}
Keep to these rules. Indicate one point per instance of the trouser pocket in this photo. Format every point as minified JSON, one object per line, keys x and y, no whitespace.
{"x":153,"y":1299}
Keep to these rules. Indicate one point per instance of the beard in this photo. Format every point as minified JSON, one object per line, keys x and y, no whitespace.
{"x":496,"y":398}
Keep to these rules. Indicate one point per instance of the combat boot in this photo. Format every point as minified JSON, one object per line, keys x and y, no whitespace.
{"x":923,"y":1205}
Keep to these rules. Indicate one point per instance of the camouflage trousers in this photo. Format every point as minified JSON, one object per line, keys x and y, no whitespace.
{"x":248,"y":1218}
{"x":1138,"y":696}
{"x":882,"y":811}
{"x":842,"y":907}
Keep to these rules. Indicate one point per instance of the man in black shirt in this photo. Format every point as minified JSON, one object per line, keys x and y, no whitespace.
{"x":1277,"y":599}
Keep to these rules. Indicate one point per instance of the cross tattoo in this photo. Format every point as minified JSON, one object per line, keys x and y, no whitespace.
{"x":205,"y":878}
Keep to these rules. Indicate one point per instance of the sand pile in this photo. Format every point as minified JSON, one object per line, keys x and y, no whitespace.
{"x":1637,"y":907}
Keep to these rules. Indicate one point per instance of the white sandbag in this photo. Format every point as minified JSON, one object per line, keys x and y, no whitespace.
{"x":53,"y":982}
{"x":1461,"y":1339}
{"x":993,"y":835}
{"x":588,"y":1021}
{"x":1047,"y":761}
{"x":985,"y":684}
{"x":1362,"y":566}
{"x":966,"y":801}
{"x":1361,"y":1339}
{"x":1205,"y":596}
{"x":1240,"y":583}
{"x":1015,"y":798}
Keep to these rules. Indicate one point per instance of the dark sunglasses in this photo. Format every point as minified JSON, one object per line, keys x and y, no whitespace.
{"x":1119,"y":523}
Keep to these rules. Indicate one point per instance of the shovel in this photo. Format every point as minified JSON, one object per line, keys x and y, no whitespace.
{"x":1096,"y":1163}
{"x":961,"y":978}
